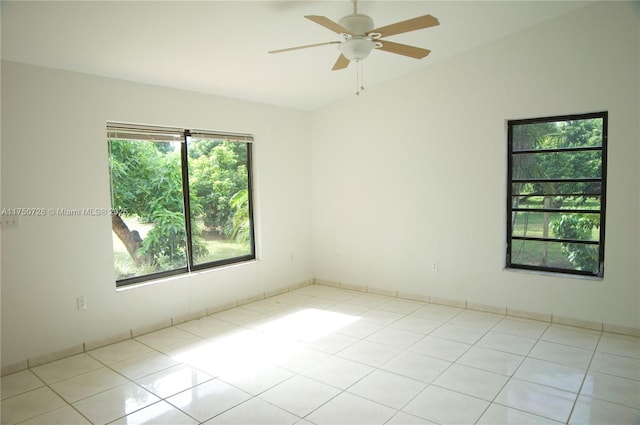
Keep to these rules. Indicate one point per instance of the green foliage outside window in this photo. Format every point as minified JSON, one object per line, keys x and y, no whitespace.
{"x":557,"y":193}
{"x":147,"y":183}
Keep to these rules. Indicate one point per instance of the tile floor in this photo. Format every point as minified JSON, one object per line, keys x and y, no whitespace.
{"x":324,"y":355}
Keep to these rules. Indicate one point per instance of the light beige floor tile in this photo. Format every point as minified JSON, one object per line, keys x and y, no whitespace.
{"x":236,"y":351}
{"x":477,"y":319}
{"x":88,"y":384}
{"x":537,"y":399}
{"x":265,"y":306}
{"x":360,"y":357}
{"x":444,"y":406}
{"x":620,"y":345}
{"x":563,"y":354}
{"x":66,"y":368}
{"x":471,"y":381}
{"x":164,"y":337}
{"x":338,"y":295}
{"x":306,"y":325}
{"x":497,"y":414}
{"x":114,"y":403}
{"x":359,"y":329}
{"x":491,"y":360}
{"x":297,"y":358}
{"x":28,"y":405}
{"x":396,"y":338}
{"x":440,"y":348}
{"x":256,"y":379}
{"x":205,"y":327}
{"x":612,"y":388}
{"x":507,"y":342}
{"x":369,"y":353}
{"x":369,"y":300}
{"x":347,"y":308}
{"x":416,"y":366}
{"x":521,"y":327}
{"x":237,"y":316}
{"x":255,"y":411}
{"x":143,"y":365}
{"x":582,"y":338}
{"x":338,"y":372}
{"x":332,"y":343}
{"x":380,"y":317}
{"x":350,"y":409}
{"x":555,"y":375}
{"x":18,"y":383}
{"x":160,"y":413}
{"x":593,"y":411}
{"x":300,"y":395}
{"x":387,"y":388}
{"x":207,"y":400}
{"x":65,"y":415}
{"x":460,"y":333}
{"x":400,"y":306}
{"x":120,"y":351}
{"x":416,"y":324}
{"x":626,"y":367}
{"x":440,"y":313}
{"x":313,"y":290}
{"x":402,"y":418}
{"x":173,"y":380}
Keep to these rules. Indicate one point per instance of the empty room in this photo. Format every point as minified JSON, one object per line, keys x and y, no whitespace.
{"x":320,"y":212}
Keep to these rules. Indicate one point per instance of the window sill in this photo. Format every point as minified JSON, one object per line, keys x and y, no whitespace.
{"x":554,"y":274}
{"x":187,"y":275}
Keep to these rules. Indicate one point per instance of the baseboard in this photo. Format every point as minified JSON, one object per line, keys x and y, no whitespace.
{"x":137,"y":331}
{"x":523,"y":314}
{"x":141,"y":330}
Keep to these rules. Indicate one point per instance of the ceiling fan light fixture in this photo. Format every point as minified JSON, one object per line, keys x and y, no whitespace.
{"x":356,"y":48}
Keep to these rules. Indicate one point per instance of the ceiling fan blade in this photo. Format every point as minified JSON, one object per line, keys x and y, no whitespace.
{"x":328,"y":23}
{"x":403,"y":49}
{"x":341,"y":63}
{"x":304,"y":47}
{"x":413,"y":24}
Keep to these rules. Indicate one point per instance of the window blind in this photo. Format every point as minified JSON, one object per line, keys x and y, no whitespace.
{"x":146,"y":132}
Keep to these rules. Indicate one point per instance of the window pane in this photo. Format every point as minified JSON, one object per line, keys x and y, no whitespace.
{"x":146,"y":183}
{"x":219,"y":200}
{"x":576,"y":189}
{"x":557,"y":202}
{"x":573,"y":256}
{"x":557,"y":165}
{"x":560,"y":134}
{"x":556,"y":195}
{"x":582,"y":227}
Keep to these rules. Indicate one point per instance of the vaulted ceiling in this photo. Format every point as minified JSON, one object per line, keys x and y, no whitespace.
{"x":220,"y":47}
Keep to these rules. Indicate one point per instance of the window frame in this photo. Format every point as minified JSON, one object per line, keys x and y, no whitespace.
{"x":162,"y":134}
{"x":603,"y":193}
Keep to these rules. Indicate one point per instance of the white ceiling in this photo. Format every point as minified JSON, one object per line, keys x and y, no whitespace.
{"x":220,"y":47}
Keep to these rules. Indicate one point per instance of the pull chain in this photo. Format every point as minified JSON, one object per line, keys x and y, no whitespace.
{"x":359,"y":77}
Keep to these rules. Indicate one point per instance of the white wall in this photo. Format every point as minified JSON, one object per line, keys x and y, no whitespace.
{"x":414,"y":171}
{"x":381,"y":192}
{"x":54,"y":155}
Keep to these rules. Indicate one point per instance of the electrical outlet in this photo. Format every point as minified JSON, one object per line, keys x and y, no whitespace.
{"x":82,"y":302}
{"x":434,"y":267}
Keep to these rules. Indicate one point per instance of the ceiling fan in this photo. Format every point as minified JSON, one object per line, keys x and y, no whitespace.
{"x":360,"y":37}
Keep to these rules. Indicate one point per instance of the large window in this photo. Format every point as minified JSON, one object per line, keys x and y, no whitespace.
{"x":182,"y":198}
{"x":556,"y":194}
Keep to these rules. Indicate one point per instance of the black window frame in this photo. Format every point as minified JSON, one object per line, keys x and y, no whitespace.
{"x":602,"y":180}
{"x":157,"y":133}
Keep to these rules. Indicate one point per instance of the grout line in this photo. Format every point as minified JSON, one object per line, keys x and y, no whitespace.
{"x":387,"y":325}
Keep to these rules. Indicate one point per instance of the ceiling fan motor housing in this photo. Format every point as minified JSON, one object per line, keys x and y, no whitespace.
{"x":357,"y":24}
